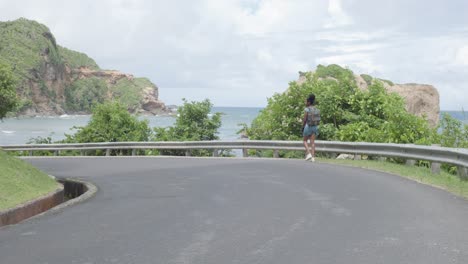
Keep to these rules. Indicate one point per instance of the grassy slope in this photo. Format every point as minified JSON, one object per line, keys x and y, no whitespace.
{"x":77,"y":59}
{"x":446,"y":181}
{"x":20,"y":182}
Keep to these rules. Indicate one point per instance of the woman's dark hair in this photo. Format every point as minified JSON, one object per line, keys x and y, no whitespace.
{"x":311,"y":98}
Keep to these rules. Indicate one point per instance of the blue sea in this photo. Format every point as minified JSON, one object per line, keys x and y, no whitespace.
{"x":21,"y":130}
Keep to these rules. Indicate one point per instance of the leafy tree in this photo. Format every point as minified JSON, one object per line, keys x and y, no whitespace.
{"x":111,"y":122}
{"x":348,"y":113}
{"x":193,"y":123}
{"x":8,"y":99}
{"x":454,"y":133}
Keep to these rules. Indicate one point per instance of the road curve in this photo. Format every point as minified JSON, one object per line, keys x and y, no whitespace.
{"x":192,"y":210}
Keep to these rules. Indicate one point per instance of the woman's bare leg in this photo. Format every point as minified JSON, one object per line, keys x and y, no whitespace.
{"x":312,"y":145}
{"x":306,"y":145}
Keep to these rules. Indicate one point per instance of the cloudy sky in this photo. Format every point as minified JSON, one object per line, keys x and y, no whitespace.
{"x":239,"y":52}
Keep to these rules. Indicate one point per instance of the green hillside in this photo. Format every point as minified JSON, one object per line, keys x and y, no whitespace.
{"x":54,"y":80}
{"x":23,"y":43}
{"x":77,"y":59}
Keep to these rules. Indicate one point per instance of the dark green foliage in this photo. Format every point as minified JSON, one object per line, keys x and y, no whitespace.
{"x":192,"y":124}
{"x":77,"y":59}
{"x":82,"y":94}
{"x":8,"y":99}
{"x":348,"y":114}
{"x":111,"y":122}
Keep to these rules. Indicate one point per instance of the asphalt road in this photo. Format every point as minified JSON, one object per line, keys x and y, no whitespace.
{"x":188,"y":210}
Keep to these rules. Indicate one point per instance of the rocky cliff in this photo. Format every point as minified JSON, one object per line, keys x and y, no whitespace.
{"x":420,"y":99}
{"x":54,"y":80}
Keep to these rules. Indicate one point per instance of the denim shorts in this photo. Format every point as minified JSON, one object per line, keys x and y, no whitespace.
{"x":309,"y":130}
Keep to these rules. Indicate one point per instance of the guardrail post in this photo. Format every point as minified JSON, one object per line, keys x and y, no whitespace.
{"x":410,"y":162}
{"x":357,"y":157}
{"x":215,"y":153}
{"x":82,"y":152}
{"x":332,"y":155}
{"x":462,"y":172}
{"x":275,"y":153}
{"x":133,"y":152}
{"x":108,"y":152}
{"x":30,"y":153}
{"x":245,"y":153}
{"x":435,"y":166}
{"x":57,"y":153}
{"x":187,"y":153}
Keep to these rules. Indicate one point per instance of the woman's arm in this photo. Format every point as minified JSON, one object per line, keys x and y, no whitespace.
{"x":304,"y":120}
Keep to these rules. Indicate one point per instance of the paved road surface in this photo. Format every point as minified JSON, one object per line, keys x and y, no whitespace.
{"x":179,"y":210}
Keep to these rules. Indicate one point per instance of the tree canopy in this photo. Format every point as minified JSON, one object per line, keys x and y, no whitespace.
{"x":348,"y":113}
{"x":193,"y":123}
{"x":111,"y":122}
{"x":8,"y":99}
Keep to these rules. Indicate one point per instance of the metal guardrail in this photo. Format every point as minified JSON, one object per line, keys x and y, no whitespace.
{"x":437,"y":155}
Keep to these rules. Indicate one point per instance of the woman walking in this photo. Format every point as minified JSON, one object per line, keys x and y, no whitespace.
{"x":310,"y":127}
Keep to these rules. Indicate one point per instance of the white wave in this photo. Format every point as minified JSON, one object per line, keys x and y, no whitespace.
{"x":8,"y":132}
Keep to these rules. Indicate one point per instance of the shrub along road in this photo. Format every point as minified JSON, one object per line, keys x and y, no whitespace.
{"x":191,"y":210}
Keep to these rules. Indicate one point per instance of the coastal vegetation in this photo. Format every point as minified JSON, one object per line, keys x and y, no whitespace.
{"x":54,"y":80}
{"x":348,"y":113}
{"x":8,"y":100}
{"x":110,"y":122}
{"x":351,"y":114}
{"x":193,"y":123}
{"x":83,"y":94}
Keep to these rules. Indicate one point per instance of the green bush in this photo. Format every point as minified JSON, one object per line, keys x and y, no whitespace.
{"x":454,"y":133}
{"x":348,"y":113}
{"x":111,"y":122}
{"x":192,"y":124}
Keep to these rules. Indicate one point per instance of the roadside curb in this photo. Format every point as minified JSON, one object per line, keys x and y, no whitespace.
{"x":26,"y":210}
{"x":48,"y":204}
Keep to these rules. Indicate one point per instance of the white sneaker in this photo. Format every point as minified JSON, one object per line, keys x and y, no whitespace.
{"x":308,"y":157}
{"x":313,"y":159}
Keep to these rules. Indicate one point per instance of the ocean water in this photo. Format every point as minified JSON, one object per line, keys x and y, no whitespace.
{"x":21,"y":130}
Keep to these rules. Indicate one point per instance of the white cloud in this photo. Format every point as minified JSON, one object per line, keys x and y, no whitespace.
{"x":461,"y":56}
{"x":238,"y":52}
{"x":338,"y":17}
